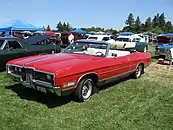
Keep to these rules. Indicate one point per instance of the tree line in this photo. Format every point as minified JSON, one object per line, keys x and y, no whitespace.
{"x":157,"y":24}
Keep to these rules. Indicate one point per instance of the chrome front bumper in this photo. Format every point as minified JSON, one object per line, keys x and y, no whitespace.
{"x":37,"y":84}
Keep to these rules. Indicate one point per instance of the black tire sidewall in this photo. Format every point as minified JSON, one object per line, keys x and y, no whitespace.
{"x":135,"y":75}
{"x":78,"y":90}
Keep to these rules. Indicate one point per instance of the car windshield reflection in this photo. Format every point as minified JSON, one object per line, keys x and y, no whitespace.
{"x":87,"y":48}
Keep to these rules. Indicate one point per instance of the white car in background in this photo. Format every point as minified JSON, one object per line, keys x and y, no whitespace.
{"x":131,"y":42}
{"x":105,"y":38}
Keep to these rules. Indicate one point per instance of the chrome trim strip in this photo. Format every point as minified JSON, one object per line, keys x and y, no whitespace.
{"x":116,"y":75}
{"x":15,"y":75}
{"x":65,"y":89}
{"x":42,"y":83}
{"x":118,"y":69}
{"x":14,"y":65}
{"x":44,"y":72}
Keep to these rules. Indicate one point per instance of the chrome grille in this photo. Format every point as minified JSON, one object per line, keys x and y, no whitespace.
{"x":29,"y":75}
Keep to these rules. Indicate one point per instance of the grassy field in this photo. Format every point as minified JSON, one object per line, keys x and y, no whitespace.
{"x":145,"y":103}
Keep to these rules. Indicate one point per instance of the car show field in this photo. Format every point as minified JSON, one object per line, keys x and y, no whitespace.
{"x":144,"y":103}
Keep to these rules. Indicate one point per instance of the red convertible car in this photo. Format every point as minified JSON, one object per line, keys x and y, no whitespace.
{"x":82,"y":66}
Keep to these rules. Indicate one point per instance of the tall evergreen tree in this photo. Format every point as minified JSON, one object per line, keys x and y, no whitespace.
{"x":148,"y":24}
{"x":155,"y":21}
{"x":162,"y":21}
{"x":168,"y":27}
{"x":64,"y":26}
{"x":59,"y":27}
{"x":143,"y":27}
{"x":137,"y":25}
{"x":130,"y":20}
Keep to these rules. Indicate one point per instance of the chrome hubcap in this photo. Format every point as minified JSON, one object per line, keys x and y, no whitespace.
{"x":87,"y":89}
{"x":138,"y":71}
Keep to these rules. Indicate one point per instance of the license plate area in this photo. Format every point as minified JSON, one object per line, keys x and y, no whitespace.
{"x":41,"y":89}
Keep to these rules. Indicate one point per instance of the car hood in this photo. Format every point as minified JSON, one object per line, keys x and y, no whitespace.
{"x":54,"y":62}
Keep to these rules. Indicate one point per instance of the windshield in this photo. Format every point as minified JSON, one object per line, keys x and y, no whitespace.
{"x":95,"y":38}
{"x":123,"y":39}
{"x":87,"y":48}
{"x":1,"y":42}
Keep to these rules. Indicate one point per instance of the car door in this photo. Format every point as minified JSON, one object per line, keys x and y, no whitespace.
{"x":131,"y":43}
{"x":13,"y":49}
{"x":115,"y":67}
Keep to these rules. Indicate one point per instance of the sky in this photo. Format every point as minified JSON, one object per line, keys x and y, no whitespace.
{"x":83,"y":13}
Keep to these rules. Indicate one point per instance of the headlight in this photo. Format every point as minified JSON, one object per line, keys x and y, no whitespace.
{"x":48,"y":77}
{"x":15,"y":69}
{"x":20,"y":70}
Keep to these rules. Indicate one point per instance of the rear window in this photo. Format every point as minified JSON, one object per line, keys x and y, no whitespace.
{"x":123,"y":39}
{"x":95,"y":38}
{"x":1,"y":42}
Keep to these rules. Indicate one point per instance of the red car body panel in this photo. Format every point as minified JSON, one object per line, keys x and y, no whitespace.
{"x":69,"y":67}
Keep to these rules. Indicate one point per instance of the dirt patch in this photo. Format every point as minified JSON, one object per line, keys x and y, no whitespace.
{"x":159,"y":73}
{"x":159,"y":67}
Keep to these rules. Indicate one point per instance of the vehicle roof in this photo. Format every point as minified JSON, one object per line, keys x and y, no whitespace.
{"x":99,"y":36}
{"x":132,"y":36}
{"x":37,"y":38}
{"x":7,"y":38}
{"x":92,"y":41}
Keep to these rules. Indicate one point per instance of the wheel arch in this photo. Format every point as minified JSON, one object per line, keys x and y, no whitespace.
{"x":143,"y":66}
{"x":93,"y":75}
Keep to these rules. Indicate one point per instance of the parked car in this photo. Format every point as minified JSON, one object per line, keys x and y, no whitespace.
{"x":162,"y":50}
{"x":163,"y":46}
{"x":11,"y":48}
{"x":131,"y":42}
{"x":106,"y":38}
{"x":82,"y":66}
{"x":164,"y":39}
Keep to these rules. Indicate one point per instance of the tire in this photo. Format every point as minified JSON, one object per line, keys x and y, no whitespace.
{"x":138,"y":72}
{"x":84,"y":90}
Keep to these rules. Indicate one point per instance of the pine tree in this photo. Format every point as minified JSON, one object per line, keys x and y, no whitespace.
{"x":130,"y":20}
{"x":148,"y":24}
{"x":162,"y":21}
{"x":168,"y":27}
{"x":137,"y":25}
{"x":59,"y":27}
{"x":155,"y":21}
{"x":64,"y":27}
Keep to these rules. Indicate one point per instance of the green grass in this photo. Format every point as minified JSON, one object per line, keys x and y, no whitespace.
{"x":145,"y":103}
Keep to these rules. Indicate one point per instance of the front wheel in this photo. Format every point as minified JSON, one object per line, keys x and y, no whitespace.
{"x":84,"y":90}
{"x":138,"y":72}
